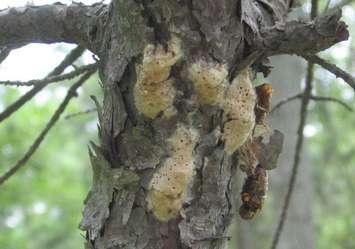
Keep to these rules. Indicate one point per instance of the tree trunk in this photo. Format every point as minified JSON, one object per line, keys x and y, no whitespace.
{"x":177,"y":104}
{"x":166,"y":135}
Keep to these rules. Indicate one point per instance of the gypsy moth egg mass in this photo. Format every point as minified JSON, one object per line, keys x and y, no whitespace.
{"x":154,"y":91}
{"x":209,"y":79}
{"x":239,"y":103}
{"x":169,"y":184}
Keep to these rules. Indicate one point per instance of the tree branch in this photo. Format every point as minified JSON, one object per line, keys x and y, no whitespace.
{"x":285,"y":101}
{"x":75,"y":23}
{"x":299,"y":37}
{"x":76,"y":114}
{"x":299,"y":143}
{"x":51,"y":79}
{"x":312,"y":97}
{"x":68,"y":60}
{"x":330,"y":99}
{"x":297,"y":156}
{"x":71,"y":93}
{"x":338,"y":72}
{"x":72,"y":56}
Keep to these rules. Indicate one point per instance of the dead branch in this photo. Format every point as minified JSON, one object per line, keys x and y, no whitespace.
{"x":84,"y":25}
{"x":76,"y":114}
{"x":330,"y":99}
{"x":51,"y":79}
{"x":32,"y":149}
{"x":312,"y":97}
{"x":72,"y":56}
{"x":285,"y":101}
{"x":51,"y":23}
{"x":68,"y":60}
{"x":338,"y":72}
{"x":299,"y":37}
{"x":297,"y":156}
{"x":299,"y":143}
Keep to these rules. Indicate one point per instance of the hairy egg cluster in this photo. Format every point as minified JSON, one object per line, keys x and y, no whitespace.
{"x":237,"y":99}
{"x":210,"y":81}
{"x":154,"y":91}
{"x":238,"y":106}
{"x":169,"y":184}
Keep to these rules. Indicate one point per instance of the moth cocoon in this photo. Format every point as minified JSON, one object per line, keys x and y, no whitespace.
{"x":248,"y":159}
{"x":209,"y":80}
{"x":262,"y":109}
{"x":169,"y":184}
{"x":238,"y":106}
{"x":253,"y":193}
{"x":154,"y":91}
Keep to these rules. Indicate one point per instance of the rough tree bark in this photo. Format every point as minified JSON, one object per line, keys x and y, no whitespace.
{"x":144,"y":131}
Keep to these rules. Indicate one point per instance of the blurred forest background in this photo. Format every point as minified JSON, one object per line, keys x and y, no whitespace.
{"x":40,"y":207}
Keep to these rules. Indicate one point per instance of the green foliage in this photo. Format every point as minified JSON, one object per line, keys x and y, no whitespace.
{"x":40,"y":207}
{"x":332,"y":152}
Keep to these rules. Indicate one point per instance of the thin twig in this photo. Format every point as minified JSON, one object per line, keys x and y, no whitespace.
{"x":68,"y":60}
{"x":32,"y":149}
{"x":330,"y":99}
{"x":73,"y":115}
{"x":51,"y":79}
{"x":296,"y":161}
{"x":338,"y":72}
{"x":285,"y":101}
{"x":73,"y":55}
{"x":312,"y":97}
{"x":299,"y":143}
